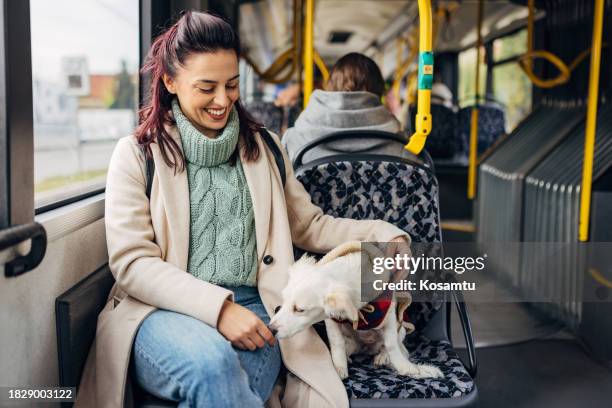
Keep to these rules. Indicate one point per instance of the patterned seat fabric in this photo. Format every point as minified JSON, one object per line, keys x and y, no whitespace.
{"x":491,"y":125}
{"x":443,"y":141}
{"x":268,"y":114}
{"x":367,"y":381}
{"x":403,"y":194}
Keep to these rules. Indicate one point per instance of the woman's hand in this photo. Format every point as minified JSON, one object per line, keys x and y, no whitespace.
{"x":398,"y":246}
{"x":242,"y":327}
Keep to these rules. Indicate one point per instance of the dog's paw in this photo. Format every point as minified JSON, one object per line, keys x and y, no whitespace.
{"x":381,"y":359}
{"x":342,"y":371}
{"x":419,"y":370}
{"x":429,"y":371}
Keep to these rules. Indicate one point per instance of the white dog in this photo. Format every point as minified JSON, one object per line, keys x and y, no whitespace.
{"x":330,"y":290}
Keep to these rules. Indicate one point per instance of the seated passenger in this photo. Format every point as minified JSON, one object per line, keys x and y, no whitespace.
{"x":351,"y":101}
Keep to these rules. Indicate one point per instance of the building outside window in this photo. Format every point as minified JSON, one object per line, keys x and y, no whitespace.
{"x":85,"y":57}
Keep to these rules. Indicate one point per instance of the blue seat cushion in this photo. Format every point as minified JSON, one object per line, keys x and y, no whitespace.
{"x":367,"y":381}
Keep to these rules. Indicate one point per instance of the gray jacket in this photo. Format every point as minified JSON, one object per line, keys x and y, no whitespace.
{"x":329,"y":112}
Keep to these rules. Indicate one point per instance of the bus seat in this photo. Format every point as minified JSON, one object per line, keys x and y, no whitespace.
{"x":76,"y":315}
{"x":267,"y":113}
{"x":443,"y":141}
{"x":491,"y":126}
{"x":402,"y":191}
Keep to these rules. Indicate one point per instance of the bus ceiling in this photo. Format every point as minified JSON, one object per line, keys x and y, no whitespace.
{"x":372,"y":28}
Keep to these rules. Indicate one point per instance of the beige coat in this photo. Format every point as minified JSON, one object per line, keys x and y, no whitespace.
{"x":148,"y":242}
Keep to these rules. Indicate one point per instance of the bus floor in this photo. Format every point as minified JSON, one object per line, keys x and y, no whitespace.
{"x":541,"y":373}
{"x":526,"y":361}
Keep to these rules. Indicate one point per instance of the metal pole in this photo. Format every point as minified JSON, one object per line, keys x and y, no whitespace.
{"x":473,"y":157}
{"x":591,"y":124}
{"x":308,"y":51}
{"x":425,"y":79}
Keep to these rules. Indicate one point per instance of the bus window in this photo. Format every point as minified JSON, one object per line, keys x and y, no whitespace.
{"x":85,"y":91}
{"x":511,"y":86}
{"x":467,"y":75}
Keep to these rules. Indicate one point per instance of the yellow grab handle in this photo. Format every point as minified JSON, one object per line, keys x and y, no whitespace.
{"x":525,"y":64}
{"x":423,"y":117}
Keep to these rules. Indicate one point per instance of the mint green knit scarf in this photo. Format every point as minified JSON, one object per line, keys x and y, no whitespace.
{"x":200,"y":149}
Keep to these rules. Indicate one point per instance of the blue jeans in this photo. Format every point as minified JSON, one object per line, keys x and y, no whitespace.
{"x":179,"y":358}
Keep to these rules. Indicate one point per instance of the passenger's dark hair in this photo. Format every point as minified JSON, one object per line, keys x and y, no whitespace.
{"x":356,"y":72}
{"x":194,"y":32}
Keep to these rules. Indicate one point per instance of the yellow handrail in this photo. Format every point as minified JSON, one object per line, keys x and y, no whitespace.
{"x":321,"y":65}
{"x":402,"y":66}
{"x":308,"y":51}
{"x":525,"y":60}
{"x":411,"y":76}
{"x":290,"y":56}
{"x":473,"y":159}
{"x":423,"y":116}
{"x":591,"y":124}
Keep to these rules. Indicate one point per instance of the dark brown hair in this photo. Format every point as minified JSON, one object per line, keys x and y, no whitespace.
{"x":356,"y":72}
{"x":194,"y":32}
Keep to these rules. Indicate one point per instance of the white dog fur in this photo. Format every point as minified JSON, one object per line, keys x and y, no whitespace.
{"x":331,"y":289}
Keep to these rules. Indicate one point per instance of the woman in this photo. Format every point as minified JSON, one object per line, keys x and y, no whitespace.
{"x":200,"y":266}
{"x":351,"y":101}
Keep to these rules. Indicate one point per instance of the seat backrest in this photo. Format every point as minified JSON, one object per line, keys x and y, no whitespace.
{"x":268,"y":114}
{"x":76,"y":316}
{"x":401,"y":191}
{"x":443,"y":140}
{"x":491,"y":126}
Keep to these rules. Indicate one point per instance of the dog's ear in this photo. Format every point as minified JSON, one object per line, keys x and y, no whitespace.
{"x":339,"y":305}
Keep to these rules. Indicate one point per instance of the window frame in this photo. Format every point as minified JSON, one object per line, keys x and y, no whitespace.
{"x":16,"y":117}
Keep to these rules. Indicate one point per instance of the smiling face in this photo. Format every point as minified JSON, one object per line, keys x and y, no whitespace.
{"x":207,"y":87}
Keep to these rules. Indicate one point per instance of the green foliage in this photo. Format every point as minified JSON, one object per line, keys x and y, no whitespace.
{"x":511,"y":86}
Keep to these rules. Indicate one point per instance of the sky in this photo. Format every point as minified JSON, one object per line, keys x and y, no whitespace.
{"x":104,"y":31}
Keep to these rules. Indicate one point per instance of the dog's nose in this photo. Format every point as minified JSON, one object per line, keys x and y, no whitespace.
{"x":273,"y":329}
{"x":276,"y":309}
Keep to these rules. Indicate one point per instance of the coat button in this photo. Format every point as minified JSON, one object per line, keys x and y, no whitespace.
{"x":268,"y":259}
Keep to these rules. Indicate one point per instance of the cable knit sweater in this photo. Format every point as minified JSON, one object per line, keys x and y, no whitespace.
{"x":222,"y":243}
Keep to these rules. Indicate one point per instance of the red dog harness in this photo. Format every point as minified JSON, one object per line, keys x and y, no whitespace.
{"x":373,"y":314}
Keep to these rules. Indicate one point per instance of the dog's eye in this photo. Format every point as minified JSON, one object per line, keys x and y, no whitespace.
{"x":297,"y":309}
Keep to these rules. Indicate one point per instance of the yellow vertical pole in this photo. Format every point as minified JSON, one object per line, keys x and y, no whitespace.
{"x":473,"y":159}
{"x":308,"y":51}
{"x":422,"y":124}
{"x":591,"y":124}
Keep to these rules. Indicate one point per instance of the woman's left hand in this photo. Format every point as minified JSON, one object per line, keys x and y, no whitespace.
{"x":398,"y":246}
